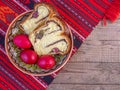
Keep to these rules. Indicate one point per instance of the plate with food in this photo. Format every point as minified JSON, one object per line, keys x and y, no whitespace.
{"x":39,"y":42}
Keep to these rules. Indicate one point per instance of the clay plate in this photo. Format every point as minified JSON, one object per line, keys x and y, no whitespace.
{"x":13,"y":51}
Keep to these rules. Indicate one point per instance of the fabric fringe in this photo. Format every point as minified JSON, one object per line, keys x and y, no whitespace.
{"x":113,"y":12}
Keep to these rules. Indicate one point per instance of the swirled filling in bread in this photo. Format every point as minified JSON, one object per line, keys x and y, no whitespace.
{"x":36,"y":18}
{"x":50,"y":38}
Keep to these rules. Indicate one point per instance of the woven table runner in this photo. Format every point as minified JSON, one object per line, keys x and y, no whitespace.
{"x":81,"y":15}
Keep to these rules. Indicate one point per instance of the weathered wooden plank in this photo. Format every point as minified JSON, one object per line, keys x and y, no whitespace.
{"x":82,"y":87}
{"x":109,"y":32}
{"x":90,"y":73}
{"x":101,"y":43}
{"x":98,"y":51}
{"x":102,"y":67}
{"x":105,"y":34}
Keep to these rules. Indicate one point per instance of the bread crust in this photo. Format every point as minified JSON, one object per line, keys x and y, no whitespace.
{"x":62,"y":33}
{"x":51,"y":9}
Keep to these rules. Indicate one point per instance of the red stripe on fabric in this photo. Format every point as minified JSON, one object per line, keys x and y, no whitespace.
{"x":113,"y":12}
{"x":77,"y":11}
{"x":73,"y":24}
{"x":86,"y":12}
{"x":80,"y":37}
{"x":14,"y":6}
{"x":6,"y":16}
{"x":74,"y":50}
{"x":106,"y":2}
{"x":93,"y":7}
{"x":9,"y":80}
{"x":98,"y":6}
{"x":98,"y":15}
{"x":70,"y":21}
{"x":22,"y":75}
{"x":17,"y":6}
{"x":2,"y":87}
{"x":41,"y":82}
{"x":17,"y":78}
{"x":37,"y":83}
{"x":10,"y":86}
{"x":87,"y":9}
{"x":82,"y":13}
{"x":101,"y":4}
{"x":21,"y":6}
{"x":3,"y":26}
{"x":25,"y":82}
{"x":73,"y":17}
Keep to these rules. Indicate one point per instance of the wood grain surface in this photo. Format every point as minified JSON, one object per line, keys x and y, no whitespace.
{"x":96,"y":65}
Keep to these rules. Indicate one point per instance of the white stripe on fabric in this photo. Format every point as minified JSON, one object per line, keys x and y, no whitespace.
{"x":45,"y":86}
{"x":21,"y":5}
{"x":81,"y":37}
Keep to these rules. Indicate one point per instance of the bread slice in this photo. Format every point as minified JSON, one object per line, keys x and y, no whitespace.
{"x":42,"y":12}
{"x":51,"y":38}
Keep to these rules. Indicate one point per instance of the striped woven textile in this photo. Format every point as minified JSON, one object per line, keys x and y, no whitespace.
{"x":81,"y":15}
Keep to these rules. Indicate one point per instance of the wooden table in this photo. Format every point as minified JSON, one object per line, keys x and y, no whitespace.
{"x":96,"y":65}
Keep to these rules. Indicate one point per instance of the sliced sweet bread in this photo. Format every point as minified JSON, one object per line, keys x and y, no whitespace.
{"x":51,"y":38}
{"x":41,"y":12}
